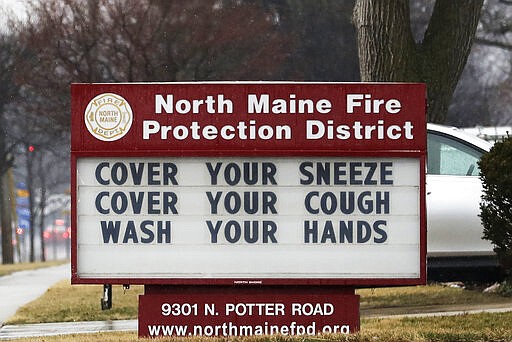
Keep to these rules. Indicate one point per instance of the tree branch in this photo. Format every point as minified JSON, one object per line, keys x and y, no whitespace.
{"x":488,"y":42}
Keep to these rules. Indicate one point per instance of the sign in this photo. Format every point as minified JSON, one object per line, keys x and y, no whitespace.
{"x":248,"y":183}
{"x":247,"y":313}
{"x":22,"y":206}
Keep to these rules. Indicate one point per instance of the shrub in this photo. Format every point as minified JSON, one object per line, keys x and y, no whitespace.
{"x":496,"y":204}
{"x":505,"y":289}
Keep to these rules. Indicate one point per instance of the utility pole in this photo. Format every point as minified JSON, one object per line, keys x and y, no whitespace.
{"x":30,"y":177}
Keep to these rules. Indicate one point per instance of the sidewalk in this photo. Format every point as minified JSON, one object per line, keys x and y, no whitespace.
{"x":8,"y":332}
{"x":23,"y":287}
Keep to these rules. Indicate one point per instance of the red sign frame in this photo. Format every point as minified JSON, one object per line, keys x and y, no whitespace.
{"x":348,"y":136}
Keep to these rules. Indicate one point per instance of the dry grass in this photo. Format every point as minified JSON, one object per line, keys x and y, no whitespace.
{"x":69,"y":303}
{"x":469,"y":327}
{"x":64,"y":302}
{"x":478,"y":327}
{"x":424,"y":296}
{"x":25,"y":266}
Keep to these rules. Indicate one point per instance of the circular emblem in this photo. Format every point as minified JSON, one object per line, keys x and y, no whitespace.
{"x":108,"y":117}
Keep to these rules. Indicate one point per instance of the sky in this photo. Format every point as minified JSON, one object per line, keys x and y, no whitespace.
{"x":15,"y":6}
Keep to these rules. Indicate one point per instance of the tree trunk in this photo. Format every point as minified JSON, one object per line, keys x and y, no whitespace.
{"x":42,"y":205}
{"x":5,"y":204}
{"x":6,"y":221}
{"x":385,"y":43}
{"x":387,"y":51}
{"x":445,"y":50}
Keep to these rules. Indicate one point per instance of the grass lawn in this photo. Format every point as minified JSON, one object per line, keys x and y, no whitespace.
{"x":64,"y":302}
{"x":67,"y":303}
{"x":424,"y":296}
{"x":469,"y":327}
{"x":477,"y":327}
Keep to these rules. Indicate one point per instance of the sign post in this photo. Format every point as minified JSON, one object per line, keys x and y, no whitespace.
{"x":248,"y":208}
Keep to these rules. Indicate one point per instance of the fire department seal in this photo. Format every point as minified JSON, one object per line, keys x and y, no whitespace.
{"x":108,"y":117}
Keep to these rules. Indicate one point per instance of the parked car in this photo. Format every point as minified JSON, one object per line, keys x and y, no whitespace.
{"x":455,"y":247}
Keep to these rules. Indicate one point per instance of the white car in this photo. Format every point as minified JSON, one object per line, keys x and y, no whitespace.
{"x":454,"y":190}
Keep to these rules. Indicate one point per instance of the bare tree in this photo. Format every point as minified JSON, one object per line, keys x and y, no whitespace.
{"x":64,"y":41}
{"x":324,"y":47}
{"x":8,"y":91}
{"x":388,"y":51}
{"x":142,"y":40}
{"x":41,"y":150}
{"x":482,"y":96}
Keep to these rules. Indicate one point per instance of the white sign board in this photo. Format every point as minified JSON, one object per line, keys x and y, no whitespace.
{"x":248,"y":218}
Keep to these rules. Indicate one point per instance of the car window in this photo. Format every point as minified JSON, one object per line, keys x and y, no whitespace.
{"x":448,"y":156}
